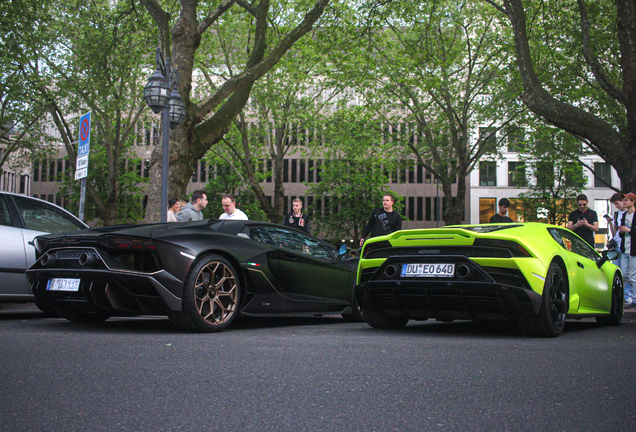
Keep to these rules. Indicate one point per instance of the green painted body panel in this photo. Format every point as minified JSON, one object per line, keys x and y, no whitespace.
{"x":589,"y":286}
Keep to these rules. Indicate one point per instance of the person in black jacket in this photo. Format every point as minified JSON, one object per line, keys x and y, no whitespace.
{"x":583,"y":221}
{"x":296,"y":218}
{"x":501,"y":217}
{"x":383,"y":220}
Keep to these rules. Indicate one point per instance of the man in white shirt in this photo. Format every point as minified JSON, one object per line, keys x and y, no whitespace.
{"x":230,"y":210}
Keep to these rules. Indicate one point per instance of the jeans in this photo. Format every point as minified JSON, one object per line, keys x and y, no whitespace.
{"x":628,"y":267}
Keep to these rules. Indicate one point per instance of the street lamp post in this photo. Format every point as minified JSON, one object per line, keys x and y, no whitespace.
{"x":163,"y":97}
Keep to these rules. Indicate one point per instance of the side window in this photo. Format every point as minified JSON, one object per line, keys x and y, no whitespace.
{"x":260,"y":234}
{"x":293,"y":241}
{"x":40,"y":216}
{"x":5,"y":215}
{"x":569,"y":241}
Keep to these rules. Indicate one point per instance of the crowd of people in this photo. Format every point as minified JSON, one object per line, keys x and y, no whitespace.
{"x":385,"y":220}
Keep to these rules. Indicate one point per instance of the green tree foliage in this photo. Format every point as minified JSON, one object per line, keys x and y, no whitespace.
{"x":435,"y":71}
{"x":281,"y":117}
{"x":86,"y":57}
{"x":576,"y":60}
{"x":234,"y":43}
{"x":27,"y":33}
{"x":558,"y":178}
{"x":353,"y":175}
{"x":227,"y":177}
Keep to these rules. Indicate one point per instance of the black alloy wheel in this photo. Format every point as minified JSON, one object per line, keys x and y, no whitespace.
{"x":554,"y":306}
{"x":211,"y":295}
{"x":616,"y":309}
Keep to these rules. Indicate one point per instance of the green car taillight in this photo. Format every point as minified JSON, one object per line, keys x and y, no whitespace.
{"x":515,"y":248}
{"x":375,"y":246}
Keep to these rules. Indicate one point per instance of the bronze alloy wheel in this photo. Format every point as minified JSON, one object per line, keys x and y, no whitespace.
{"x":216,"y":293}
{"x":211,"y":296}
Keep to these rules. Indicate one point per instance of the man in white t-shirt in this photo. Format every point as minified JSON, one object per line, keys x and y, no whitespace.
{"x":230,"y":210}
{"x":628,"y":249}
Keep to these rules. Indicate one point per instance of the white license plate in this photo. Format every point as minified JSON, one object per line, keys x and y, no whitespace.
{"x":63,"y":285}
{"x":428,"y":270}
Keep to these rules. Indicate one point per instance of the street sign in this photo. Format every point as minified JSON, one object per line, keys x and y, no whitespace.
{"x":81,"y":165}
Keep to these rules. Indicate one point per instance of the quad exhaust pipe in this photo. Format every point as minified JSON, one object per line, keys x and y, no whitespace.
{"x":48,"y":260}
{"x":87,"y":260}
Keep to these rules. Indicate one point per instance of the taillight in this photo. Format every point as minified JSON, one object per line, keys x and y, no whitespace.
{"x":515,"y":248}
{"x":128,"y":243}
{"x":375,"y":246}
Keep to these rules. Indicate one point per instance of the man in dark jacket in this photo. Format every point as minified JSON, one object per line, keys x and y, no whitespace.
{"x":502,"y":216}
{"x":383,"y":220}
{"x":296,"y":218}
{"x":583,"y":221}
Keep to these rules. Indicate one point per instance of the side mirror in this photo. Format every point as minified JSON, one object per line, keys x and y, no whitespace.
{"x":342,"y":251}
{"x":607,"y":255}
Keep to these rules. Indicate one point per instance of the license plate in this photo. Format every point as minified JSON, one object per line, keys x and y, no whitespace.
{"x":63,"y":285}
{"x":428,"y":270}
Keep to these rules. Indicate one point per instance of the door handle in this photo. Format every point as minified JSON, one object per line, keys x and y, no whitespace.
{"x":580,"y":265}
{"x":290,"y":257}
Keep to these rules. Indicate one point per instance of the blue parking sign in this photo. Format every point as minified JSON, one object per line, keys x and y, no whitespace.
{"x":84,"y":135}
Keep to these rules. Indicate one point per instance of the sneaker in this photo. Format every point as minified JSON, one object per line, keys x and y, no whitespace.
{"x":627,"y":302}
{"x":630,"y":306}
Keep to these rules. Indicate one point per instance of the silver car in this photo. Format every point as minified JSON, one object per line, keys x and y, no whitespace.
{"x":21,"y":219}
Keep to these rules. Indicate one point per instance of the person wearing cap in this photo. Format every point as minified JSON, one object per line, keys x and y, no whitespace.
{"x":583,"y":221}
{"x":628,"y":250}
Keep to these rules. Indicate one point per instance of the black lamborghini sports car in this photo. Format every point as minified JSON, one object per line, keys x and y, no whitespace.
{"x":200,"y":274}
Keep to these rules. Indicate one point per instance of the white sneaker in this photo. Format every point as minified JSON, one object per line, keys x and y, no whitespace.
{"x":628,"y":302}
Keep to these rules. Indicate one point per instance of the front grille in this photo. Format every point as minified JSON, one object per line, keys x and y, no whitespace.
{"x":467,"y":251}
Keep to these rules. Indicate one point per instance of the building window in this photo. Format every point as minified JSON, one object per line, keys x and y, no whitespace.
{"x":420,"y":208}
{"x":302,"y":171}
{"x":574,"y":175}
{"x":488,"y":173}
{"x":487,"y":209}
{"x":310,"y":171}
{"x":545,"y":174}
{"x":516,"y":140}
{"x":202,"y":172}
{"x":294,"y":170}
{"x":411,"y":208}
{"x":489,"y":135}
{"x":285,"y":171}
{"x":602,"y":175}
{"x":517,"y":174}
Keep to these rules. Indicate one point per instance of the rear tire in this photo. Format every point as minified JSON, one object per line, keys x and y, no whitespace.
{"x":616,"y":309}
{"x":554,"y":306}
{"x":211,"y":295}
{"x":379,"y":319}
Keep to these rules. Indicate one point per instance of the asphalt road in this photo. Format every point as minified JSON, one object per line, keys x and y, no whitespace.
{"x":312,"y":374}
